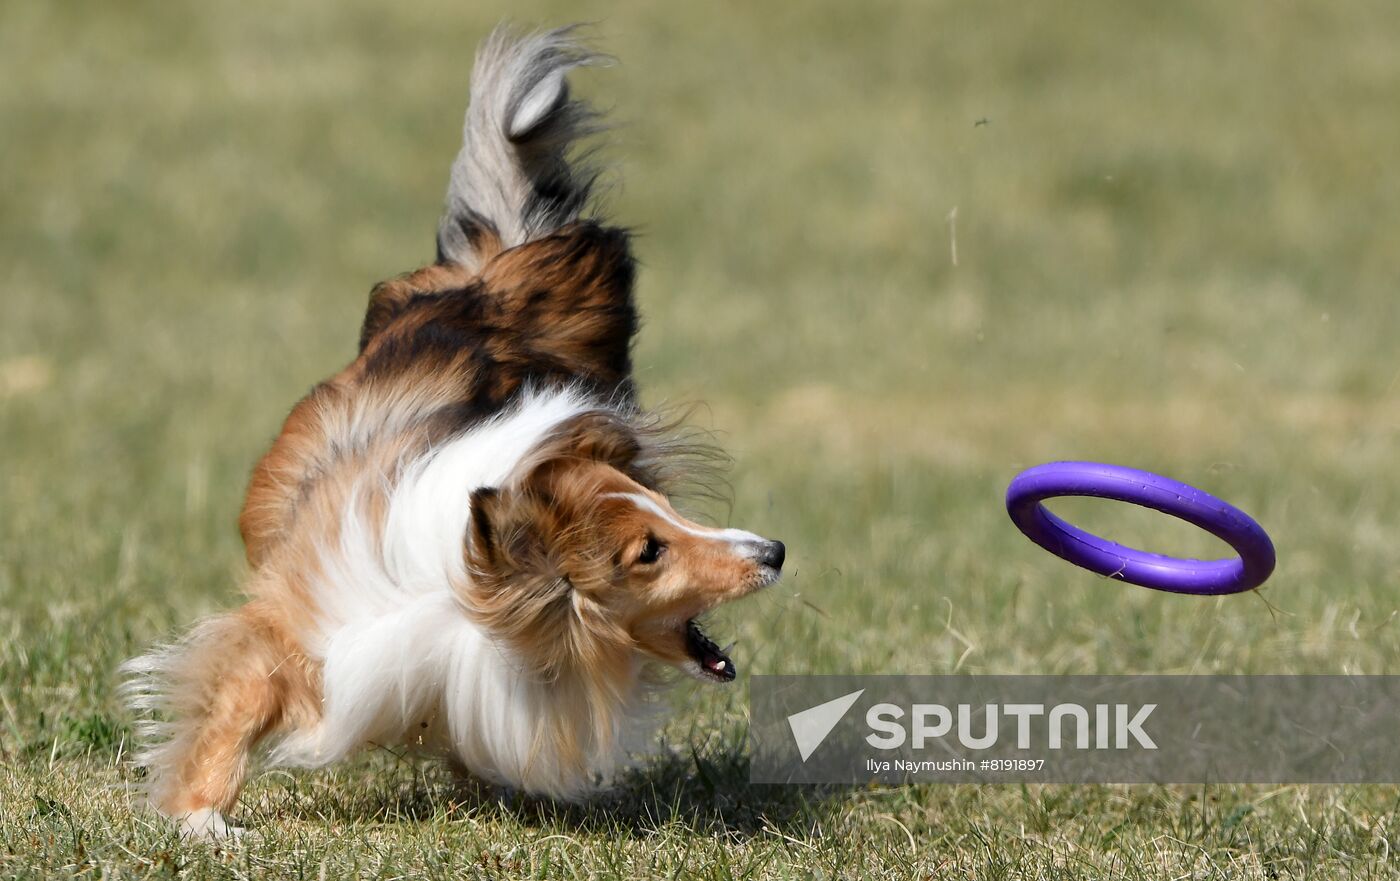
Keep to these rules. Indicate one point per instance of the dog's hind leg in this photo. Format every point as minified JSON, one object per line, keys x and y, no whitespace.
{"x":220,"y":691}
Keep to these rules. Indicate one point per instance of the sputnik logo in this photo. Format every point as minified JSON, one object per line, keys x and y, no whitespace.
{"x":810,"y":727}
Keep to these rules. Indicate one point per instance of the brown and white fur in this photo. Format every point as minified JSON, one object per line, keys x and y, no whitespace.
{"x":463,"y":540}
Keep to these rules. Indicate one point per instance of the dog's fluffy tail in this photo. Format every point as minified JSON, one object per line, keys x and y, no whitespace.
{"x":161,"y":691}
{"x":514,"y":179}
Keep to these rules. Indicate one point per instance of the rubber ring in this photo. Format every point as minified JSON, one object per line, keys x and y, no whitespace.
{"x":1250,"y":569}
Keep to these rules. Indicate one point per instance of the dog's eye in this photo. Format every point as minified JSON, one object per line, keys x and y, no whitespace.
{"x":651,"y":551}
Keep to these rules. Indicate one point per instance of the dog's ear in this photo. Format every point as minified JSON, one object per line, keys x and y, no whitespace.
{"x":602,"y":437}
{"x":486,"y":506}
{"x":589,"y":437}
{"x":502,"y":535}
{"x":514,"y":589}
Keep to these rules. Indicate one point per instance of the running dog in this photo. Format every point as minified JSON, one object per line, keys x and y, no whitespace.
{"x":464,"y":541}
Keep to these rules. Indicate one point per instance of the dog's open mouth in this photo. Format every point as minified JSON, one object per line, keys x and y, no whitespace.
{"x":711,"y":660}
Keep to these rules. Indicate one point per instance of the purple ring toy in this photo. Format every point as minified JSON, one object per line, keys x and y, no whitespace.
{"x":1202,"y":577}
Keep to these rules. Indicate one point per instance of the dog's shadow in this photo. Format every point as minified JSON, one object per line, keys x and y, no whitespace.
{"x":706,"y":794}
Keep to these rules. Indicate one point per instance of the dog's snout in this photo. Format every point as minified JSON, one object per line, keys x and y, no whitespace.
{"x":773,"y":553}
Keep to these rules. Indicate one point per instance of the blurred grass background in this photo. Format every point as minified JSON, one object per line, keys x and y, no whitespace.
{"x":1177,"y":247}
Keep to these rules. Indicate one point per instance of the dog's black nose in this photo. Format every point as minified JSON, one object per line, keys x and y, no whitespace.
{"x":773,"y":554}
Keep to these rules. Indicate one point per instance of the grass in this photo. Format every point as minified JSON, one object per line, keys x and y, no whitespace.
{"x":1176,"y":248}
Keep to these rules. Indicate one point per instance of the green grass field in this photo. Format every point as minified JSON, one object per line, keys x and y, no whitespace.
{"x":1177,"y":246}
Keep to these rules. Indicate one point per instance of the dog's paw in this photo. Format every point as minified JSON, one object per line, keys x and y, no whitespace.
{"x":207,"y":824}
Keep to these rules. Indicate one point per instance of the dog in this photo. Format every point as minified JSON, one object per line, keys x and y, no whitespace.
{"x":464,"y":542}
